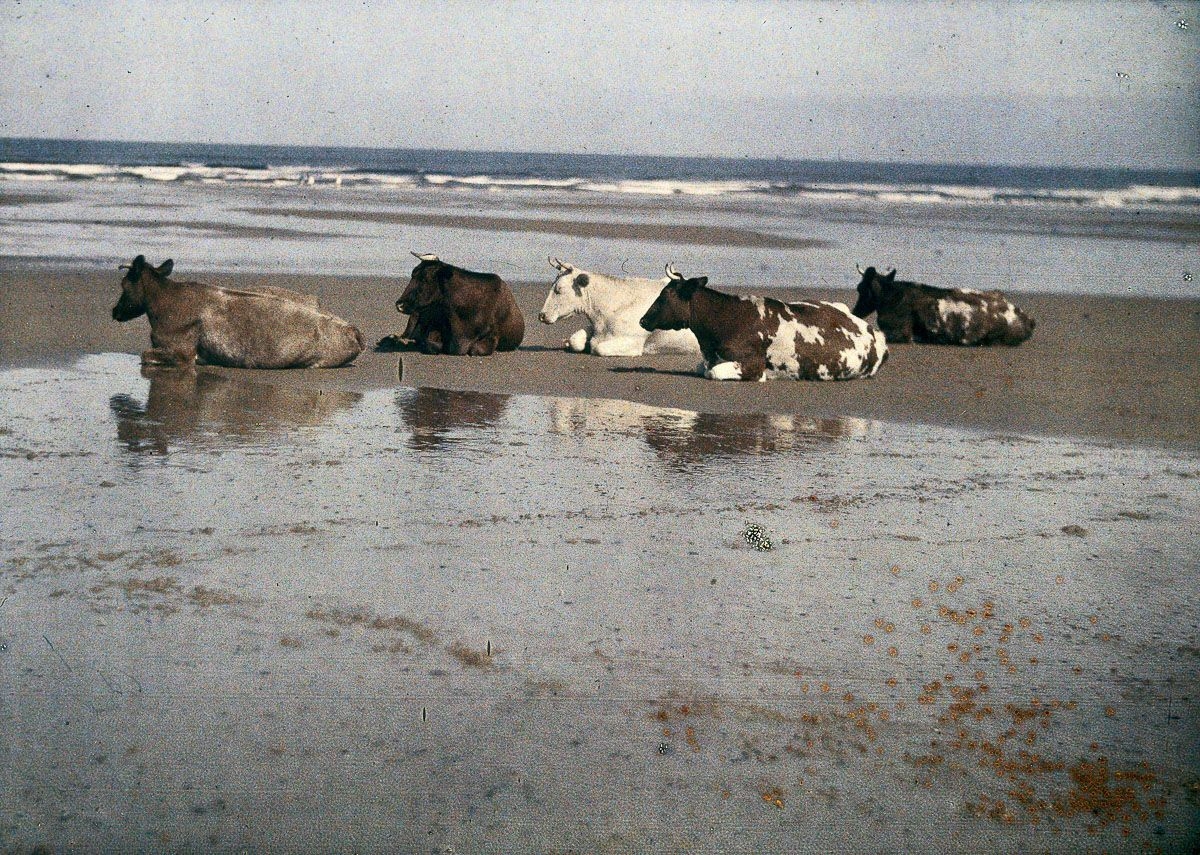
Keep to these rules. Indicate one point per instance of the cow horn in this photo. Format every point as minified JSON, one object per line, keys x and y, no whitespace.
{"x":559,"y":265}
{"x":672,"y":272}
{"x":124,"y":267}
{"x":858,"y":267}
{"x":429,"y":256}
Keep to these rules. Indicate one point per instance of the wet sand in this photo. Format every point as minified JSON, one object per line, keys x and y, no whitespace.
{"x":242,"y":615}
{"x":1104,"y":368}
{"x":666,"y":232}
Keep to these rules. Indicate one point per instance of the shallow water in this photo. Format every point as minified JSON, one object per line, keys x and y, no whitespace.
{"x":234,"y":614}
{"x":1056,"y":248}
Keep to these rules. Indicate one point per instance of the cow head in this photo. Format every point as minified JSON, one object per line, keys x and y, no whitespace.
{"x":673,"y":308}
{"x":425,"y":284}
{"x":567,"y":295}
{"x":132,"y":303}
{"x":870,"y":288}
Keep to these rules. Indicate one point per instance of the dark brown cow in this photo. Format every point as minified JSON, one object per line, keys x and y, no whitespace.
{"x":452,"y":310}
{"x":192,"y":322}
{"x":912,"y":311}
{"x":758,"y":338}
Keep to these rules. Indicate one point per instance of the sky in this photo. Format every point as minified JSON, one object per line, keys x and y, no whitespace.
{"x":1078,"y":84}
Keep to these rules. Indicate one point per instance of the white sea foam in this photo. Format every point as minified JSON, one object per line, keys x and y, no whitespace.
{"x":1133,"y":196}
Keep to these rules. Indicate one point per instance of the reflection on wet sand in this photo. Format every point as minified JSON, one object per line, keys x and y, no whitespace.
{"x":208,"y":409}
{"x":684,"y":437}
{"x":435,"y":415}
{"x":711,"y":435}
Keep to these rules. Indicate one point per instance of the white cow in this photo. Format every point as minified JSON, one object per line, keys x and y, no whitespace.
{"x":613,"y":307}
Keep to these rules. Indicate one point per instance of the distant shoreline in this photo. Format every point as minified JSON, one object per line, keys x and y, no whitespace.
{"x":1101,"y":368}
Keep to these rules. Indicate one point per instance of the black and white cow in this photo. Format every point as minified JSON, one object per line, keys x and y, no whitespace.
{"x":759,"y":338}
{"x":912,"y":311}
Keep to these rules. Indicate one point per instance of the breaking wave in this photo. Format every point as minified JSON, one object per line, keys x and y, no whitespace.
{"x":263,"y":175}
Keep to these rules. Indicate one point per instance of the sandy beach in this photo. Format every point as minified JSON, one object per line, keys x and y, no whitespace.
{"x":545,"y":601}
{"x":1120,"y":369}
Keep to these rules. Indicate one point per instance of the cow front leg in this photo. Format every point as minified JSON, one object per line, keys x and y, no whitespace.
{"x":578,"y":342}
{"x":482,"y":347}
{"x":618,"y":346}
{"x":725,"y":371}
{"x":163,"y":357}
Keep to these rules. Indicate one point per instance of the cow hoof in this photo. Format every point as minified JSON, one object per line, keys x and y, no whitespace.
{"x":391,"y":344}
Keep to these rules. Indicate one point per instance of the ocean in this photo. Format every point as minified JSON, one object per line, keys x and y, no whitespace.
{"x":743,"y":222}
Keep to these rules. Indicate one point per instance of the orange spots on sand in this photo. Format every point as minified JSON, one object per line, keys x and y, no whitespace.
{"x":933,"y":585}
{"x":917,"y":602}
{"x":895,"y":570}
{"x":1094,"y":619}
{"x":879,"y":623}
{"x":774,"y":797}
{"x":824,"y":687}
{"x":1110,"y":712}
{"x":1059,"y":580}
{"x":1025,"y":623}
{"x":890,"y":681}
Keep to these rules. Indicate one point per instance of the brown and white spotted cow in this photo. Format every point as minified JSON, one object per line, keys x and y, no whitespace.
{"x":759,"y":338}
{"x":912,"y":311}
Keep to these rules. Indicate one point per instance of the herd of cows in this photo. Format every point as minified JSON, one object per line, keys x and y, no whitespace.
{"x":452,"y":310}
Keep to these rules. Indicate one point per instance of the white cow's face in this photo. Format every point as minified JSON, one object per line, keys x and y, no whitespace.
{"x":566,"y":297}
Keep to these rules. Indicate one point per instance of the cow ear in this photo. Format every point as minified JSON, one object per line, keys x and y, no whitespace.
{"x":890,"y":277}
{"x":135,"y":269}
{"x":581,"y":280}
{"x":165,"y":268}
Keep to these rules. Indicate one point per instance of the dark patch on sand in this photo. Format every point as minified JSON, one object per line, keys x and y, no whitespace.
{"x":665,"y":233}
{"x":210,"y":229}
{"x":14,"y":199}
{"x":359,"y":616}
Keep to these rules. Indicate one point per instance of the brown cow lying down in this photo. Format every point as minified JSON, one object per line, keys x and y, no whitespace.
{"x":452,"y":310}
{"x":192,"y":322}
{"x":911,"y":311}
{"x":758,"y":338}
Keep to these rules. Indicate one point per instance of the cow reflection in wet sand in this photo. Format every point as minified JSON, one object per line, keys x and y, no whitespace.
{"x":202,"y":409}
{"x":687,"y":437}
{"x":435,"y":416}
{"x":712,"y":435}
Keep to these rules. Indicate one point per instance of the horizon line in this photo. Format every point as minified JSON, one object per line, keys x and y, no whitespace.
{"x":739,"y":157}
